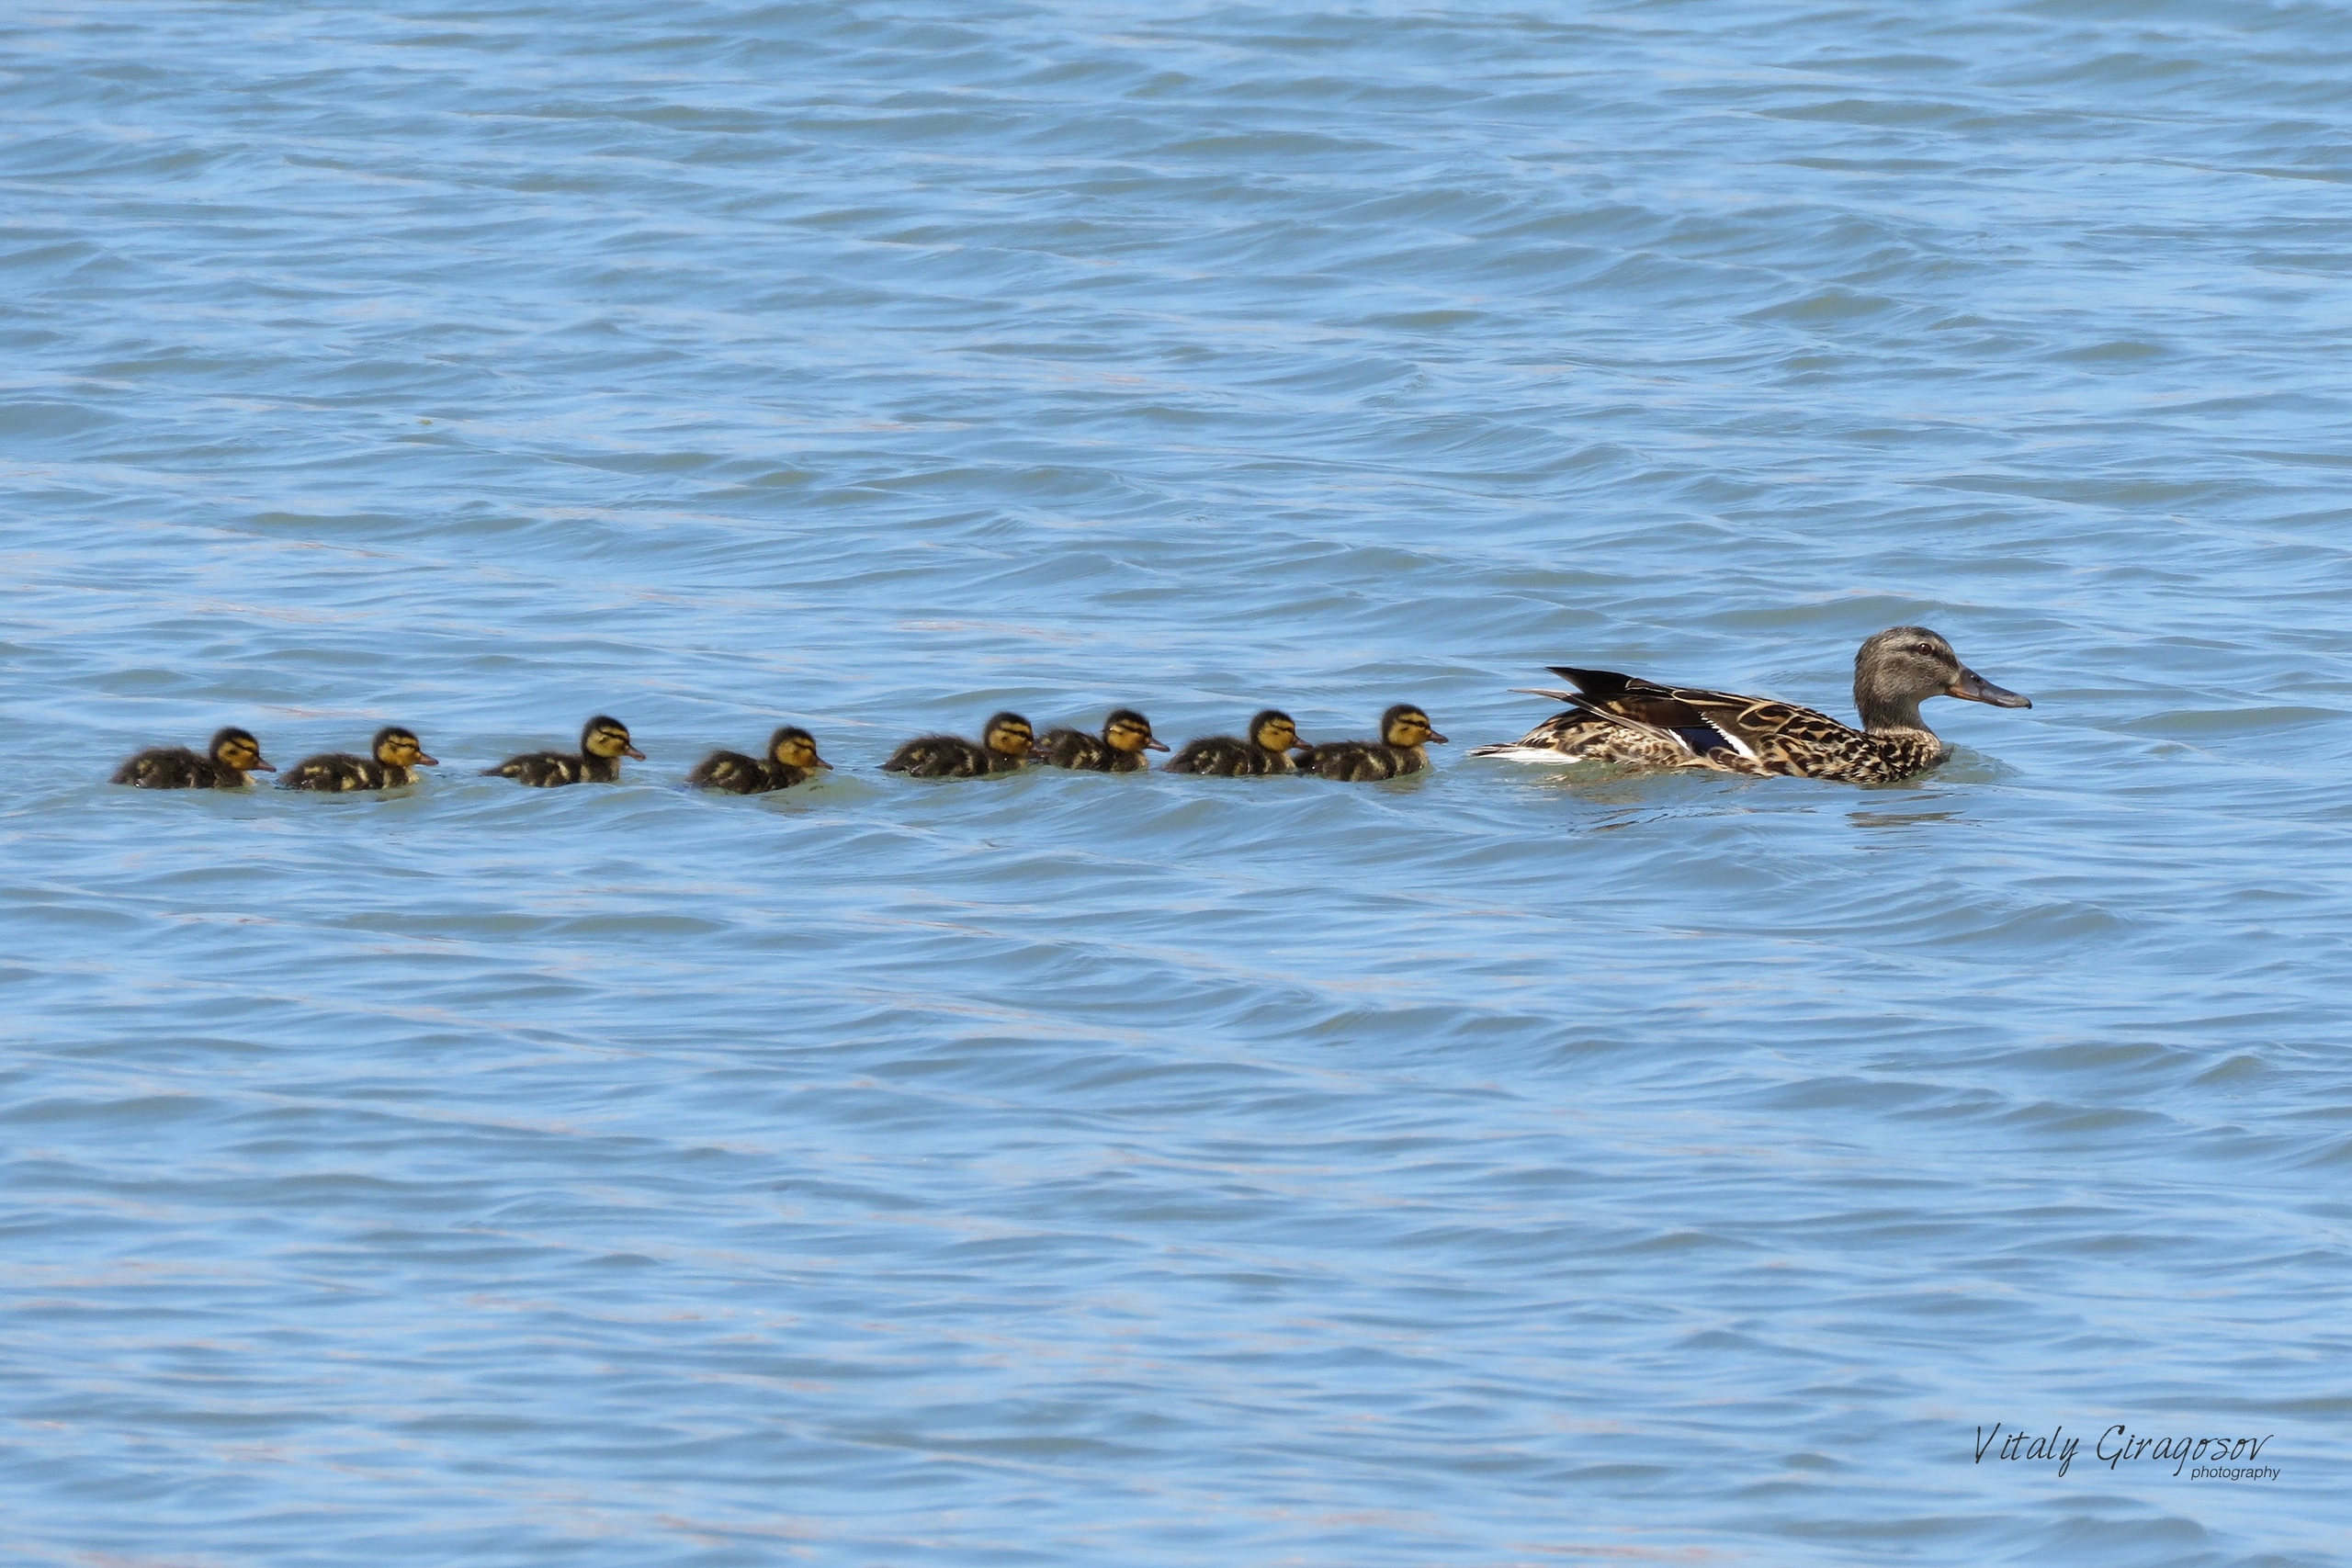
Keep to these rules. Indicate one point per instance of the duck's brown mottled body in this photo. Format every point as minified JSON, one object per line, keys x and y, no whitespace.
{"x":792,"y":759}
{"x":396,"y":756}
{"x":1403,"y":731}
{"x":1003,"y":746}
{"x":1631,"y":722}
{"x":1127,"y":736}
{"x":231,"y":754}
{"x":1265,"y":751}
{"x":603,"y":743}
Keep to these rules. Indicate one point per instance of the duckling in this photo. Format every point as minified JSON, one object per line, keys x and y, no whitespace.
{"x":1637,"y":723}
{"x":603,"y":743}
{"x":1005,"y":746}
{"x":1127,"y":736}
{"x":1273,"y":736}
{"x":396,"y":756}
{"x":792,"y":759}
{"x":1404,"y":730}
{"x":232,"y":755}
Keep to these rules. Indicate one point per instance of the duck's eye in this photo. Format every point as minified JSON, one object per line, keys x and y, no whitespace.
{"x":1925,"y":650}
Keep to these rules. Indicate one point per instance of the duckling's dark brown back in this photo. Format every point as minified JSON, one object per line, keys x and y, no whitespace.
{"x":729,"y":773}
{"x":938,"y":757}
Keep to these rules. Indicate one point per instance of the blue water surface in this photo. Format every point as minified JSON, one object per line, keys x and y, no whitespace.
{"x":1502,"y":1165}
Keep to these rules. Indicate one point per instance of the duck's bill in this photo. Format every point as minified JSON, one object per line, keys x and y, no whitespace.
{"x":1437,"y":740}
{"x":261,"y":767}
{"x":1973,"y":687}
{"x":1155,"y":745}
{"x":425,"y":762}
{"x":632,"y":752}
{"x":820,"y":763}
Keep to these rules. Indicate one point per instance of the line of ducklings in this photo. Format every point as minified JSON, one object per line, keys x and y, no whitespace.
{"x":1616,"y":720}
{"x":1271,"y":745}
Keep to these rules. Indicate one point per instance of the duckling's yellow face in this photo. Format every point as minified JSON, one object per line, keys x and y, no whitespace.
{"x":402,"y":749}
{"x":243,"y":753}
{"x":610,"y":740}
{"x":800,"y":752}
{"x":1131,"y":734}
{"x":1411,"y":728}
{"x":1012,"y":737}
{"x":1278,"y":735}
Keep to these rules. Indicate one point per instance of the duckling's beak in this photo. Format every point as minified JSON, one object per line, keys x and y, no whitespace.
{"x":820,"y":763}
{"x":1155,"y":745}
{"x":425,"y":762}
{"x":261,"y":767}
{"x":632,"y":752}
{"x":1437,"y":740}
{"x":1973,"y":687}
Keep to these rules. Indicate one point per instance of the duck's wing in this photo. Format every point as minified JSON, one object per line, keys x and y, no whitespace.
{"x":1632,"y":723}
{"x":1763,"y":734}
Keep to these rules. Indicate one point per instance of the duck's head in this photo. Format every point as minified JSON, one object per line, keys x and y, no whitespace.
{"x":1273,"y":731}
{"x":608,"y":738}
{"x":398,"y":748}
{"x":794,"y":746}
{"x":1406,"y":725}
{"x":1008,"y":735}
{"x":1903,"y":665}
{"x":237,"y":750}
{"x":1127,"y":731}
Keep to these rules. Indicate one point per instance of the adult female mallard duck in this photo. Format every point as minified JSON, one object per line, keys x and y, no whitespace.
{"x":395,"y":754}
{"x":231,"y":754}
{"x":1003,"y":746}
{"x":1404,"y":730}
{"x":1625,"y":720}
{"x":792,"y":759}
{"x":1127,"y":736}
{"x":603,"y":743}
{"x":1271,"y":738}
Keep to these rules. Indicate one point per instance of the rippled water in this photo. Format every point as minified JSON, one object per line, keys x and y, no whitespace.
{"x":1497,"y":1166}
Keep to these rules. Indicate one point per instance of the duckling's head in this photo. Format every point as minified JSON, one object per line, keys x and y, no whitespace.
{"x":1406,"y":725}
{"x":398,"y":747}
{"x":236,"y":748}
{"x":1008,"y":734}
{"x":1275,"y":731}
{"x":1903,"y":665}
{"x":796,"y":748}
{"x":608,"y":738}
{"x":1127,"y":731}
